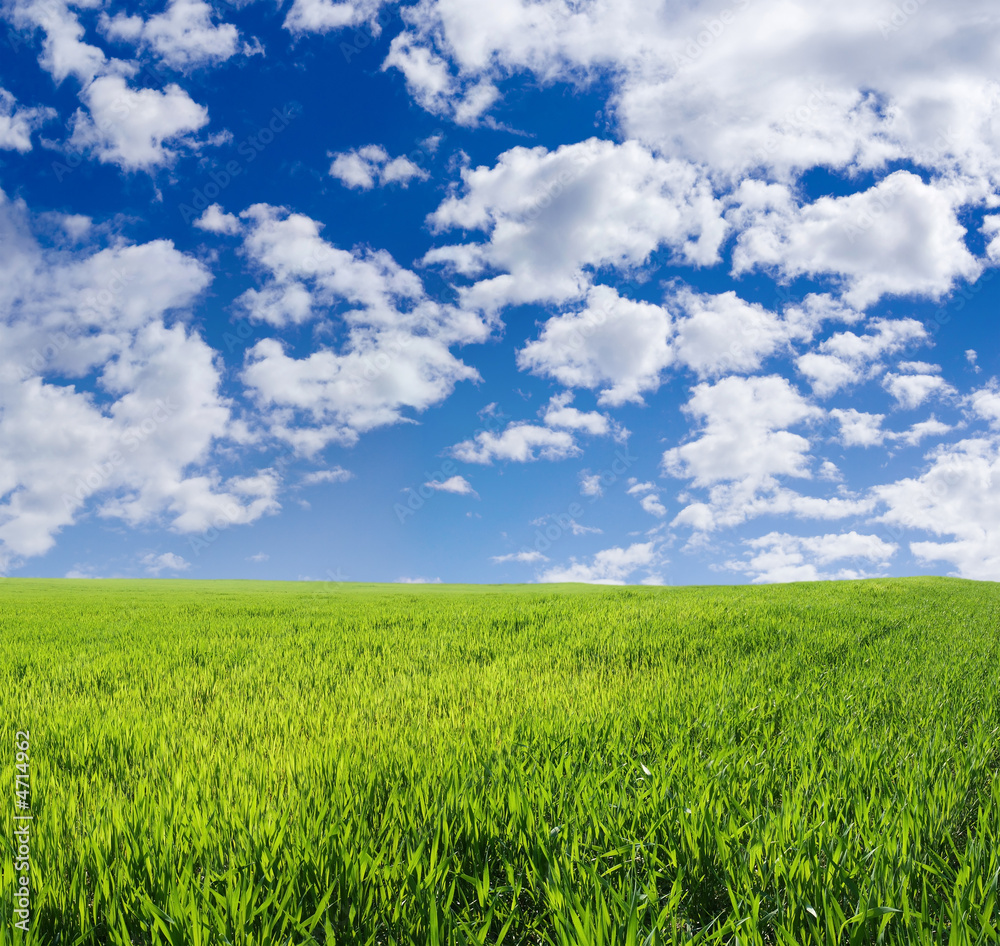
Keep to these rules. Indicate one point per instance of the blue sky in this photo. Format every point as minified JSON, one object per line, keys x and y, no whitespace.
{"x":448,"y":291}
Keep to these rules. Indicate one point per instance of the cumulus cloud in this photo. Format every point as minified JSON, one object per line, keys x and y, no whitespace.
{"x":215,"y":220}
{"x":984,"y":403}
{"x":955,"y":497}
{"x":136,"y":129}
{"x":458,"y":485}
{"x":615,"y":344}
{"x":520,"y":442}
{"x":554,"y":217}
{"x":324,"y":16}
{"x":901,"y":237}
{"x":64,"y":53}
{"x":788,"y":88}
{"x":911,"y":390}
{"x":847,"y":358}
{"x":743,"y":432}
{"x":624,"y":348}
{"x":780,"y":557}
{"x":862,"y":429}
{"x":167,"y":561}
{"x":648,"y":496}
{"x":612,"y":566}
{"x":525,"y":442}
{"x":184,"y":36}
{"x":741,"y":449}
{"x":365,"y":167}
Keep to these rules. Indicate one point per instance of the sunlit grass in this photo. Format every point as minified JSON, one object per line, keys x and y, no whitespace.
{"x":255,"y":763}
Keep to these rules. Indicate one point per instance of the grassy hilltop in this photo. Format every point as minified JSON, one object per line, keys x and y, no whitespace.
{"x":265,"y":763}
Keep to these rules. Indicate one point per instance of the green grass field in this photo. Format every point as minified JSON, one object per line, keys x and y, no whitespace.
{"x":236,"y":762}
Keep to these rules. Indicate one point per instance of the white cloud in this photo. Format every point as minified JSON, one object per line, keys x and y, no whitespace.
{"x":430,"y":82}
{"x":911,"y":390}
{"x":458,"y":485}
{"x":524,"y":442}
{"x":786,"y":86}
{"x":955,"y":496}
{"x":901,"y":237}
{"x":648,"y":496}
{"x":740,"y":449}
{"x":520,"y":442}
{"x":323,"y":16}
{"x":847,"y":358}
{"x":743,"y":433}
{"x":590,"y":484}
{"x":18,"y":122}
{"x":612,"y":343}
{"x":215,"y":220}
{"x":722,"y":334}
{"x":560,"y":415}
{"x":335,"y":474}
{"x":779,"y":557}
{"x":365,"y":167}
{"x":418,"y":581}
{"x":259,"y":558}
{"x":612,"y":566}
{"x":859,"y":428}
{"x":525,"y":558}
{"x":991,"y":230}
{"x":555,"y":217}
{"x":136,"y":129}
{"x":168,"y":561}
{"x":183,"y":36}
{"x":984,"y":403}
{"x":653,"y":506}
{"x":921,"y":430}
{"x":63,"y":51}
{"x":624,"y":347}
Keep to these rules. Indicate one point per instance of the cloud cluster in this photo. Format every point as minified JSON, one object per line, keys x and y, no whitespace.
{"x":365,"y":167}
{"x":394,"y":355}
{"x":109,"y":403}
{"x":555,"y":438}
{"x":132,"y":127}
{"x":554,"y":218}
{"x":612,"y":566}
{"x":184,"y":36}
{"x":780,"y":557}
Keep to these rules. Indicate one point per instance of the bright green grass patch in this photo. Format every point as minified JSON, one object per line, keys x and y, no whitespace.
{"x":264,"y":763}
